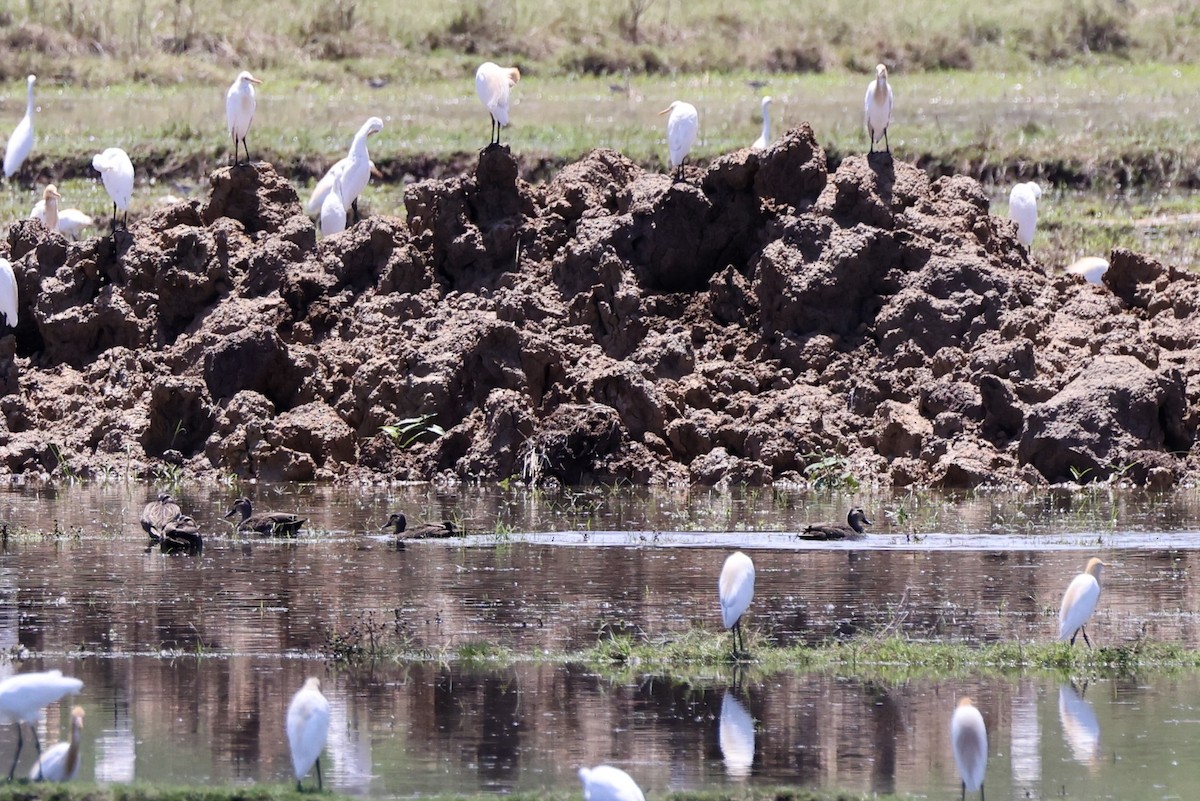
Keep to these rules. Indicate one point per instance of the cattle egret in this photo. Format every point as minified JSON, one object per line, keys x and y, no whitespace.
{"x":8,"y":293}
{"x":271,"y":524}
{"x":1022,"y":209}
{"x":1092,"y":268}
{"x":852,"y":530}
{"x":968,"y":736}
{"x":157,"y":513}
{"x":66,"y":221}
{"x":21,"y":141}
{"x":60,"y":763}
{"x":877,"y":108}
{"x":493,"y":84}
{"x":1079,"y":602}
{"x":764,"y":138}
{"x":736,"y":590}
{"x":333,"y":211}
{"x":307,"y":728}
{"x":682,"y":126}
{"x":317,"y":198}
{"x":22,"y":698}
{"x":606,"y":783}
{"x":735,"y":736}
{"x":240,"y":103}
{"x":116,"y":170}
{"x":355,"y":170}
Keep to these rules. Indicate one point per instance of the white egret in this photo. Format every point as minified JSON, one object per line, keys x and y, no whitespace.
{"x":66,"y":221}
{"x":307,"y":729}
{"x":21,"y":141}
{"x":60,"y":762}
{"x":317,"y":198}
{"x":682,"y":126}
{"x":333,"y":211}
{"x":240,"y":102}
{"x":877,"y":108}
{"x":116,"y":170}
{"x":1022,"y":209}
{"x":8,"y":293}
{"x":606,"y":783}
{"x":735,"y":736}
{"x":355,"y":169}
{"x":736,"y":590}
{"x":1079,"y":602}
{"x":764,"y":138}
{"x":22,"y":698}
{"x":851,"y":530}
{"x":1092,"y":268}
{"x":493,"y":84}
{"x":968,"y":737}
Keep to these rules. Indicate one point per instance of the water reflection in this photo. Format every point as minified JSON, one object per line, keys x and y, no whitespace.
{"x":1026,"y":740}
{"x":1081,"y":728}
{"x":735,"y":733}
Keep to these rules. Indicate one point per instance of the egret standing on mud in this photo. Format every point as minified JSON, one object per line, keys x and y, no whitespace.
{"x":21,"y":141}
{"x":493,"y":84}
{"x":333,"y":210}
{"x":1022,"y":209}
{"x":606,"y":783}
{"x":354,"y":172}
{"x":764,"y":138}
{"x":1079,"y":602}
{"x":877,"y":108}
{"x":8,"y":293}
{"x":682,"y":127}
{"x":22,"y":698}
{"x":240,"y":103}
{"x":307,"y":729}
{"x":66,"y":221}
{"x":968,"y":736}
{"x":116,"y":170}
{"x":1091,"y":268}
{"x":60,"y":763}
{"x":736,"y":590}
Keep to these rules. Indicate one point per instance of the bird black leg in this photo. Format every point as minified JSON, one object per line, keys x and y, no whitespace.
{"x":1085,"y":637}
{"x":299,"y":786}
{"x":886,"y":147}
{"x":320,"y":786}
{"x":981,"y":791}
{"x":13,"y":770}
{"x":964,"y":790}
{"x":354,"y":206}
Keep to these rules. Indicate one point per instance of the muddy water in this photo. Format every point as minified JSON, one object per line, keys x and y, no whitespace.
{"x":189,"y":661}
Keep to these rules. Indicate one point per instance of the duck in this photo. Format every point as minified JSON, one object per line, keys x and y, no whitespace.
{"x":158,"y":513}
{"x":422,"y":531}
{"x":269,"y":524}
{"x":852,"y":530}
{"x":182,"y":534}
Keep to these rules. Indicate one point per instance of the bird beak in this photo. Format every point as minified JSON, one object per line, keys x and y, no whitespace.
{"x":664,"y":111}
{"x":230,"y":513}
{"x":375,"y":172}
{"x":254,"y":80}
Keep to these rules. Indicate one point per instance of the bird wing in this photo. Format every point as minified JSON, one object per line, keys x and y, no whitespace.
{"x":968,"y":735}
{"x":51,"y":766}
{"x":324,"y":185}
{"x":736,"y":589}
{"x":1078,"y":603}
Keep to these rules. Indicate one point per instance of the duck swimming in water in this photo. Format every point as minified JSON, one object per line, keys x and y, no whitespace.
{"x":268,"y":524}
{"x":181,"y":534}
{"x":852,"y":530}
{"x":157,"y":513}
{"x":422,"y":531}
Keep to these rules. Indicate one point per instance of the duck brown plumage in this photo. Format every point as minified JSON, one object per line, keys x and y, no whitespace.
{"x":421,"y":531}
{"x":852,"y":529}
{"x":157,"y":513}
{"x":268,"y":524}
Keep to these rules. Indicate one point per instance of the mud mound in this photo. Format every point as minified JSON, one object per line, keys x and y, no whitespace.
{"x":763,"y":320}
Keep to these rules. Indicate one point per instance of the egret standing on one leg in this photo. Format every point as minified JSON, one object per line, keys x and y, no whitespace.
{"x":736,"y":590}
{"x":240,"y":103}
{"x":493,"y":84}
{"x":60,"y":763}
{"x":682,"y":127}
{"x":1079,"y":602}
{"x":22,"y":698}
{"x":877,"y":108}
{"x":116,"y":170}
{"x":1022,"y":209}
{"x":21,"y":141}
{"x":968,"y":736}
{"x":8,"y":293}
{"x":606,"y":783}
{"x":307,"y":728}
{"x":764,"y":138}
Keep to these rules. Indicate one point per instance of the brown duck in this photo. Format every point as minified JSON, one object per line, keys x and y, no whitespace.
{"x":851,"y":530}
{"x":268,"y":524}
{"x":157,"y":513}
{"x":422,"y":531}
{"x":182,"y":534}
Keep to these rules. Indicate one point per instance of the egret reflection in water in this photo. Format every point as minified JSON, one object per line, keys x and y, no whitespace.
{"x":735,"y":733}
{"x":1026,"y":738}
{"x":1080,"y":727}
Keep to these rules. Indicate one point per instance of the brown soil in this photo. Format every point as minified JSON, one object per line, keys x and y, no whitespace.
{"x":761,"y":320}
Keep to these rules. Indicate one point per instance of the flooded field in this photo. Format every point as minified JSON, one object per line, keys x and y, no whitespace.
{"x":189,"y":661}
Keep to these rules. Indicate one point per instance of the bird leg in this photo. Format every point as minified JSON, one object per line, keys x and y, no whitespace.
{"x":981,"y":791}
{"x":114,"y":218}
{"x":235,"y":149}
{"x":1085,"y":637}
{"x":13,"y":770}
{"x":319,"y":785}
{"x":964,"y":790}
{"x":354,"y":206}
{"x":886,"y":147}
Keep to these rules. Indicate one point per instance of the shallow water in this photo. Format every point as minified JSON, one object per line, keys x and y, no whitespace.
{"x":189,"y":661}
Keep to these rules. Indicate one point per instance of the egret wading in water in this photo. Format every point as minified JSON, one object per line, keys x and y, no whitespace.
{"x":21,"y":140}
{"x":682,"y":126}
{"x":764,"y":138}
{"x":1022,"y":209}
{"x":60,"y":762}
{"x":1079,"y":602}
{"x":968,"y":736}
{"x":493,"y":84}
{"x":736,"y":590}
{"x":877,"y":108}
{"x":116,"y":170}
{"x":606,"y":783}
{"x":8,"y":293}
{"x":240,"y":103}
{"x":66,"y":221}
{"x":307,"y":729}
{"x":22,"y":698}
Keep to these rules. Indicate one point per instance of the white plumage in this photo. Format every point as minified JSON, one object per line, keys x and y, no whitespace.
{"x":1092,"y":268}
{"x":1079,"y":601}
{"x":494,"y":84}
{"x":1022,"y":209}
{"x":240,"y":104}
{"x":60,"y":762}
{"x":735,"y":736}
{"x":682,"y":126}
{"x":333,"y":211}
{"x":968,"y":736}
{"x":8,"y":293}
{"x":735,"y":590}
{"x":356,"y":173}
{"x":764,"y":138}
{"x":307,"y":729}
{"x":70,"y":221}
{"x":21,"y":141}
{"x":877,"y":108}
{"x":1080,"y":727}
{"x":116,"y":170}
{"x":23,"y":696}
{"x":606,"y":783}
